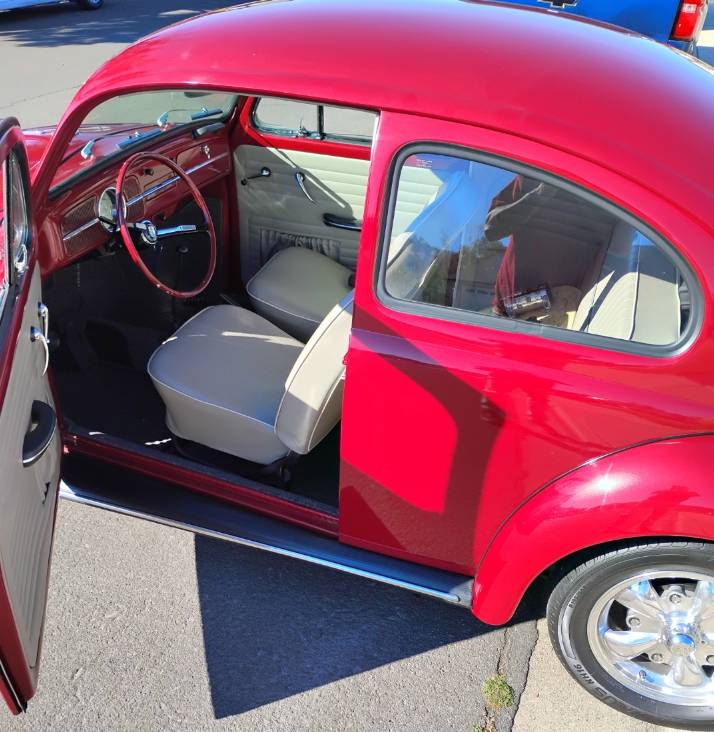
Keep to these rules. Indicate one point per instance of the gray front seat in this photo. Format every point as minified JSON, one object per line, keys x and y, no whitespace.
{"x":234,"y":382}
{"x":297,"y":287}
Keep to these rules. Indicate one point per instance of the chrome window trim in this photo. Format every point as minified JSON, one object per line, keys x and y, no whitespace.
{"x":146,"y":194}
{"x":318,"y":135}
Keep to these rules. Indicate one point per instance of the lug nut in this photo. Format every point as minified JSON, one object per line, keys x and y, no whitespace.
{"x":657,"y":657}
{"x":710,"y":660}
{"x":675,"y":598}
{"x":634,"y":622}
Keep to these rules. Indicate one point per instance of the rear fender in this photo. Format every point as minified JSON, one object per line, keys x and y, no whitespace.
{"x":660,"y":489}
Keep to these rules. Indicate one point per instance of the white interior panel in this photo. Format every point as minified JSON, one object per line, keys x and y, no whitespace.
{"x":274,"y":213}
{"x":27,"y":494}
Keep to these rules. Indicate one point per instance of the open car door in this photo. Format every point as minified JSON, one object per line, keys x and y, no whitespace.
{"x":30,"y":448}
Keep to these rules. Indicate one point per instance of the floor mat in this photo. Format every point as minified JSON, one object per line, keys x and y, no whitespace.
{"x":116,"y":401}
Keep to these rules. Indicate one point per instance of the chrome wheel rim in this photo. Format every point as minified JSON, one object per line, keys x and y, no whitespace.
{"x":654,"y":633}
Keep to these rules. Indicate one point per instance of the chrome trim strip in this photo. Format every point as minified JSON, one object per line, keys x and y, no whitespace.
{"x":148,"y":192}
{"x":76,"y":232}
{"x":151,"y":191}
{"x":67,"y":493}
{"x":174,"y":179}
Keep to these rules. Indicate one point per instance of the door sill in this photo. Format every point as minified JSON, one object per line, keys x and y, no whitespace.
{"x":92,"y":483}
{"x":295,"y":508}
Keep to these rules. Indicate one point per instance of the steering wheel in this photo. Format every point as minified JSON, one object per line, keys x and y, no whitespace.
{"x":152,"y":236}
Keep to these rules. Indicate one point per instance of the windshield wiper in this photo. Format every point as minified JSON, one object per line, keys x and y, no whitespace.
{"x":86,"y":150}
{"x":136,"y":134}
{"x":163,"y":119}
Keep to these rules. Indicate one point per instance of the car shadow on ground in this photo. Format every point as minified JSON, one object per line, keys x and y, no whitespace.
{"x":273,"y":628}
{"x":119,"y":21}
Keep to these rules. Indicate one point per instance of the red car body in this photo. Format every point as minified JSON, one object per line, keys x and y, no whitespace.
{"x":483,"y":452}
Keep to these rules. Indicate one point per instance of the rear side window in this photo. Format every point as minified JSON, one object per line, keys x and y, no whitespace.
{"x":291,"y":118}
{"x":500,"y":244}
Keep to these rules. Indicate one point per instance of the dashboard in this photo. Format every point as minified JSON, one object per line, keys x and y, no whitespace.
{"x":151,"y":191}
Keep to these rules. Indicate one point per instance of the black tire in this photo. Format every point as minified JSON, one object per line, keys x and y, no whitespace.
{"x":578,"y":592}
{"x":90,"y":4}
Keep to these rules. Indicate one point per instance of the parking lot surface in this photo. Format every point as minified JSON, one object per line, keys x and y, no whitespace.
{"x":153,"y":628}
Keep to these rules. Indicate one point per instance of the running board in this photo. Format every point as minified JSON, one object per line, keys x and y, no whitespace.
{"x":89,"y":482}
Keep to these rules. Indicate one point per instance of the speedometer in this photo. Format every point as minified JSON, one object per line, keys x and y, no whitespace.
{"x":107,"y":209}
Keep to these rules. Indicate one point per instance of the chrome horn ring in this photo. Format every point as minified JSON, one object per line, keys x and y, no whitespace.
{"x":654,"y":633}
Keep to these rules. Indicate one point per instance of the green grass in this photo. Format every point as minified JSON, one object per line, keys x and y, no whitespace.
{"x":498,"y":692}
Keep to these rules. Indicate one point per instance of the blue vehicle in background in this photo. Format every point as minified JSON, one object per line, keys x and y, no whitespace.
{"x":678,"y":22}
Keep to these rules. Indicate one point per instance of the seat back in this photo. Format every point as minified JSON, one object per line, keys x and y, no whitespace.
{"x":633,"y":292}
{"x":312,"y":403}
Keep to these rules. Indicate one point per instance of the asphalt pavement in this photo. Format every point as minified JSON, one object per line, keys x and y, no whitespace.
{"x":153,"y":628}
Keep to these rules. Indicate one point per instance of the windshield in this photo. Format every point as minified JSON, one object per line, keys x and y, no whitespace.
{"x":127,"y":120}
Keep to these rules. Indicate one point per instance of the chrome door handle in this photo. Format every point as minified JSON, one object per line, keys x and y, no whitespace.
{"x":36,"y":335}
{"x":43,"y":313}
{"x":300,"y":178}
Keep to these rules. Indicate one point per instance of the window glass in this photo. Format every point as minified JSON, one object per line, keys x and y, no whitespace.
{"x":348,"y":125}
{"x":501,"y":244}
{"x":125,"y":120}
{"x":316,"y":121}
{"x":286,"y":117}
{"x":17,"y":213}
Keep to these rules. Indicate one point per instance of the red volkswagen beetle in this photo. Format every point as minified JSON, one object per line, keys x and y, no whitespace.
{"x":358,"y":284}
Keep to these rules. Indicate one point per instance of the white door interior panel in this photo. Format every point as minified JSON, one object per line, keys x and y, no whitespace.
{"x":275,"y":213}
{"x":27,"y":494}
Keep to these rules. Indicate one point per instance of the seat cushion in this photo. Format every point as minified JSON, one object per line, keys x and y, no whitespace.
{"x":297,"y":288}
{"x":222,"y":376}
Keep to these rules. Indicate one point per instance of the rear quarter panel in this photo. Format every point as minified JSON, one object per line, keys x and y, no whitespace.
{"x":660,"y":489}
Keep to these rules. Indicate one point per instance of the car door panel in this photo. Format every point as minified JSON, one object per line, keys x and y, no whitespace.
{"x":27,"y":494}
{"x":30,"y":446}
{"x":275,"y":213}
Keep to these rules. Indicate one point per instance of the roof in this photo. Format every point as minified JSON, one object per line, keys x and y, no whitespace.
{"x":605,"y":94}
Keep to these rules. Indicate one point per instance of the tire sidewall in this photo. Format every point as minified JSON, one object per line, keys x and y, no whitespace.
{"x":575,"y":600}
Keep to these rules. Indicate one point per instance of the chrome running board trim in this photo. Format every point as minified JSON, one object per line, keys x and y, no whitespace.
{"x":298,"y":544}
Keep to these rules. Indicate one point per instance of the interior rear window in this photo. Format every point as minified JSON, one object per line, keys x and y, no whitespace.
{"x":291,"y":118}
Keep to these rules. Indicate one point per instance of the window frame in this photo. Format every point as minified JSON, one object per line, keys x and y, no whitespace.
{"x":319,"y":135}
{"x":508,"y":325}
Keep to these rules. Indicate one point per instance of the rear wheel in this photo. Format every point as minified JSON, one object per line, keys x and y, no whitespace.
{"x":90,"y":4}
{"x":635,"y":627}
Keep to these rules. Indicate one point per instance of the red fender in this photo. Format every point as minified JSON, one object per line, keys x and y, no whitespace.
{"x":654,"y":490}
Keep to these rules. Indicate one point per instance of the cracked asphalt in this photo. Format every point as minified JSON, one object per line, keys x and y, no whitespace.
{"x":154,"y":628}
